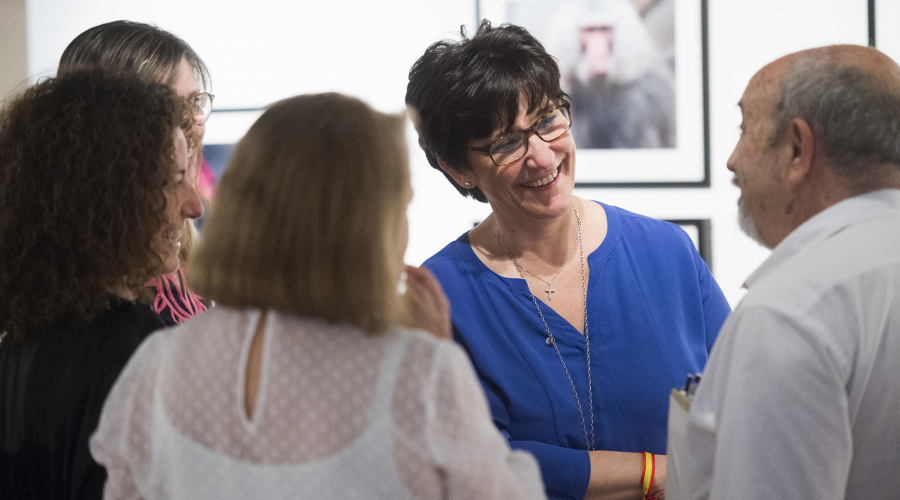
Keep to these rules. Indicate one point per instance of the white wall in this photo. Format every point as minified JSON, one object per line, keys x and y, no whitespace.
{"x":887,"y":36}
{"x":13,"y":50}
{"x":265,"y":50}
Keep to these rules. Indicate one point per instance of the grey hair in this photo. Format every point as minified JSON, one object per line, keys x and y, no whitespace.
{"x":854,"y":115}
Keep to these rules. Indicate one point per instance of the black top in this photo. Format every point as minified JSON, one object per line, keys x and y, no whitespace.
{"x":52,"y":389}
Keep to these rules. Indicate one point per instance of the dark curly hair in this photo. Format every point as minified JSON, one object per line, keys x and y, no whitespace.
{"x":86,"y":162}
{"x":459,"y":91}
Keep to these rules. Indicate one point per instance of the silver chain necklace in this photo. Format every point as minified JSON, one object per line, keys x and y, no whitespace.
{"x":551,"y":340}
{"x":549,"y":282}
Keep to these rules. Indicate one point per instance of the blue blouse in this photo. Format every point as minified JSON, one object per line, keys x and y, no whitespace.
{"x":654,"y":311}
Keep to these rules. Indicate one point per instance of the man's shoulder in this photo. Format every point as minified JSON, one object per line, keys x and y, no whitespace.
{"x":857,"y":262}
{"x":866,"y":249}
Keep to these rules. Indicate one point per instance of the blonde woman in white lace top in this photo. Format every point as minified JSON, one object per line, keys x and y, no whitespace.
{"x":303,"y":384}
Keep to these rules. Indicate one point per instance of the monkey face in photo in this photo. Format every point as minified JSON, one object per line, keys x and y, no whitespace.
{"x":596,"y":48}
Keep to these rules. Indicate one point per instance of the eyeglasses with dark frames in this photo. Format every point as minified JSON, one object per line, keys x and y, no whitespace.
{"x":509,"y":148}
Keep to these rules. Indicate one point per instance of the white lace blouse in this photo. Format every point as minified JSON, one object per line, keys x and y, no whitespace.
{"x":339,"y":414}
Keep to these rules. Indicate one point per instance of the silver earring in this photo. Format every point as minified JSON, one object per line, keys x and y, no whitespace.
{"x":468,"y":184}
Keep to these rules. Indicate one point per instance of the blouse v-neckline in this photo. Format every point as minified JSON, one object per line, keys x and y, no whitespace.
{"x":519,"y":286}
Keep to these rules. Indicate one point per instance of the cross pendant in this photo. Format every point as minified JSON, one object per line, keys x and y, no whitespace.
{"x":549,"y":291}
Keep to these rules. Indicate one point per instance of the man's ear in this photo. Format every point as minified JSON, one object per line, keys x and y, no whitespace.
{"x":803,"y":149}
{"x":457,"y":176}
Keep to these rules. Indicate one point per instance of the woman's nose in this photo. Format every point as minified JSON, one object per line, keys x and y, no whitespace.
{"x":539,"y":152}
{"x":191,"y":206}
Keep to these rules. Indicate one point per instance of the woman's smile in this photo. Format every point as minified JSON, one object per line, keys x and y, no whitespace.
{"x":545,"y":182}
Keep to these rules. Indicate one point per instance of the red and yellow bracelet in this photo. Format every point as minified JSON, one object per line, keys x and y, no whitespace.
{"x":647,"y":473}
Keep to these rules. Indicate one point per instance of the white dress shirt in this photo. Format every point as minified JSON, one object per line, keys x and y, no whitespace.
{"x":801,"y":395}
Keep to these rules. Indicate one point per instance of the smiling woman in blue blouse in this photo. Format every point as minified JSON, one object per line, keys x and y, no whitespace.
{"x":579,"y":317}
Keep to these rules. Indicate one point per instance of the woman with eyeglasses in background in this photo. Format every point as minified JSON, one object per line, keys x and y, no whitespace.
{"x":160,"y":56}
{"x":580,"y":317}
{"x":94,"y":189}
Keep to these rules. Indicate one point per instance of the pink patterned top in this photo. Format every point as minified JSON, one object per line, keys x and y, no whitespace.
{"x":175,"y":304}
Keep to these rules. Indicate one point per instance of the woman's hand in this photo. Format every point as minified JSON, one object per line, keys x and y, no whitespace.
{"x":426,"y":304}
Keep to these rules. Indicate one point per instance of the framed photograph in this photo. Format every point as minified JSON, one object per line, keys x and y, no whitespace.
{"x":636,"y":71}
{"x":699,"y":230}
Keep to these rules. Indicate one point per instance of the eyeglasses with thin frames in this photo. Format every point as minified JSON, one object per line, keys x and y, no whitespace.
{"x":202,"y":104}
{"x":509,"y":148}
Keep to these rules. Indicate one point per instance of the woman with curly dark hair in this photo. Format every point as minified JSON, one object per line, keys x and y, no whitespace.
{"x":94,"y":192}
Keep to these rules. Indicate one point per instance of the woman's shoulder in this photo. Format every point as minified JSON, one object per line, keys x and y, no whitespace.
{"x":452,"y":255}
{"x":420,"y":344}
{"x":125,"y":316}
{"x":633,"y":220}
{"x":456,"y":266}
{"x":108,"y":340}
{"x":634,"y":226}
{"x":430,"y":367}
{"x":219,"y":329}
{"x":414,"y":338}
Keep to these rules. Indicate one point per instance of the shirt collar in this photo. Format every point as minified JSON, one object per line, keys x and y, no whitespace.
{"x":825,"y":224}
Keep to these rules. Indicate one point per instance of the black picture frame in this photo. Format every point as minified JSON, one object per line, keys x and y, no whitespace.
{"x":685,"y":166}
{"x":871,"y":4}
{"x":700,"y":231}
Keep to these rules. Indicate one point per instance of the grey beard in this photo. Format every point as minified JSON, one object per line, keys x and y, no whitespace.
{"x":745,"y":221}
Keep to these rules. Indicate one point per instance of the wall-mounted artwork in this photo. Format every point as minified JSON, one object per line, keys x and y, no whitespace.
{"x":700,"y":232}
{"x":636,"y":73}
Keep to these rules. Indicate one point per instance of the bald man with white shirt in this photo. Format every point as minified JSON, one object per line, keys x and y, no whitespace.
{"x":801,"y":395}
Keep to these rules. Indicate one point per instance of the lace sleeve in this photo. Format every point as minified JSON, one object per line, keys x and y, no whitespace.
{"x":122,"y":440}
{"x":475,"y":460}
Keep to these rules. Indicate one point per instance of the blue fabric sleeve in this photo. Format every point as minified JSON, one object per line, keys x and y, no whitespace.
{"x":566,"y":471}
{"x":715,"y":307}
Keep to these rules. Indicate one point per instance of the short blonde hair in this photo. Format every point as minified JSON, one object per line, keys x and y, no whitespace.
{"x":308,"y":214}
